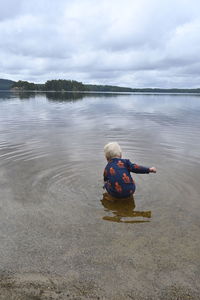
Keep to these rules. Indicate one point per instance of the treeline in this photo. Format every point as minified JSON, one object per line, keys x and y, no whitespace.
{"x":62,"y":85}
{"x":106,"y":88}
{"x":50,"y":85}
{"x":27,"y":86}
{"x":67,"y":85}
{"x":173,"y":90}
{"x":6,"y":84}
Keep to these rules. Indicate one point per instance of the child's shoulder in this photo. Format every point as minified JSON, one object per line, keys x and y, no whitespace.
{"x":125,"y":160}
{"x":121,"y":162}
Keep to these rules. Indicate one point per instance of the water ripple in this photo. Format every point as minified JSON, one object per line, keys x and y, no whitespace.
{"x":53,"y":150}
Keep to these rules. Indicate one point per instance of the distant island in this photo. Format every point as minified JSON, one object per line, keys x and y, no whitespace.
{"x":62,"y":85}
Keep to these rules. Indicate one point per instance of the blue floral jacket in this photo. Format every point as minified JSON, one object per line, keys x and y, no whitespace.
{"x":117,"y":177}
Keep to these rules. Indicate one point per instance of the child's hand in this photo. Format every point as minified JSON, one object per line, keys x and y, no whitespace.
{"x":152,"y":170}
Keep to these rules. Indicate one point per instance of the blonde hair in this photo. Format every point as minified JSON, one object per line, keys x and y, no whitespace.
{"x":112,"y":150}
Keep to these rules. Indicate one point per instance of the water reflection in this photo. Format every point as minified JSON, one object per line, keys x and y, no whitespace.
{"x":64,"y":96}
{"x":123,"y":210}
{"x":26,"y":95}
{"x":22,"y":95}
{"x":74,"y":96}
{"x":52,"y":96}
{"x":4,"y":95}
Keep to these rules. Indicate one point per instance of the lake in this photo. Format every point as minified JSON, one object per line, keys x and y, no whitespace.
{"x":53,"y":222}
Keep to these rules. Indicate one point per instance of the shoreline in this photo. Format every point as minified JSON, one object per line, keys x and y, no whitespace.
{"x":101,"y":92}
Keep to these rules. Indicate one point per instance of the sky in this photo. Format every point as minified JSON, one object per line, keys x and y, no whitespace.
{"x":132,"y":43}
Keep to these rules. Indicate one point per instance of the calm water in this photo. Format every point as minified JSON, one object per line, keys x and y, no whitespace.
{"x":51,"y":165}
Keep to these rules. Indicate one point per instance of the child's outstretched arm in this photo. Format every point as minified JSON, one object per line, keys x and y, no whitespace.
{"x":140,"y":169}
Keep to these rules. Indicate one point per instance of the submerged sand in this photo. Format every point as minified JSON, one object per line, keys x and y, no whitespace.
{"x":59,"y":239}
{"x":43,"y":287}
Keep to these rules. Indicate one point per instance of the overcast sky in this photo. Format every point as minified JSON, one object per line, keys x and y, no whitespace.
{"x":134,"y":43}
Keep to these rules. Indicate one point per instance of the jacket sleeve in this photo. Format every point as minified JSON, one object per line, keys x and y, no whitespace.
{"x":136,"y":168}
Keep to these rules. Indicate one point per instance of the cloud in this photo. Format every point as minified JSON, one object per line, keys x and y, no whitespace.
{"x":130,"y":43}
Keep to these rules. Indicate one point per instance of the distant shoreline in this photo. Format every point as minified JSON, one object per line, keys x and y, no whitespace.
{"x":105,"y":92}
{"x":74,"y":86}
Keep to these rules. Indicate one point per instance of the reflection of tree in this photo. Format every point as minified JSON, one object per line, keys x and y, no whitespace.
{"x":18,"y":94}
{"x":25,"y":95}
{"x":70,"y":96}
{"x":55,"y":96}
{"x":122,"y":209}
{"x":5,"y":95}
{"x":64,"y":96}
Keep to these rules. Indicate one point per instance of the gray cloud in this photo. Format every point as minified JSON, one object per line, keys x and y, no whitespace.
{"x":138,"y":43}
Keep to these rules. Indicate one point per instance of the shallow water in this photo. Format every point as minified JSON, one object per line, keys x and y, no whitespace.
{"x":51,"y":165}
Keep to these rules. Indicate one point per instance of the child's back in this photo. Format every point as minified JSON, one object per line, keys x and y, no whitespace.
{"x":117,"y":177}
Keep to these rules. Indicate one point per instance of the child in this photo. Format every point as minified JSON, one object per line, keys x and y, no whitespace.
{"x":117,"y":177}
